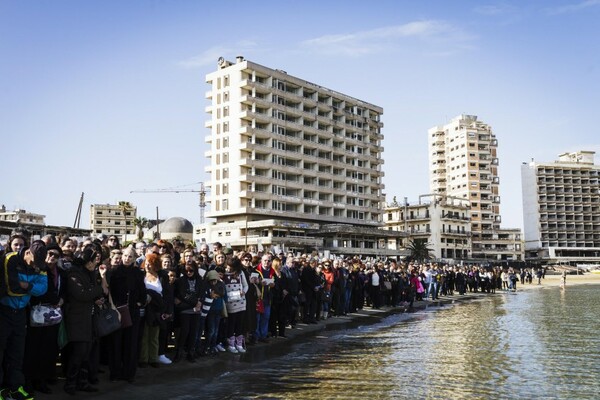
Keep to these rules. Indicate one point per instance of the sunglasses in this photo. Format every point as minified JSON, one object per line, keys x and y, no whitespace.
{"x":53,"y":254}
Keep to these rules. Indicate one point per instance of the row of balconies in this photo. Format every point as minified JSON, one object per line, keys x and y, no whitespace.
{"x":299,"y":184}
{"x":572,"y":172}
{"x":570,"y":244}
{"x":264,"y":87}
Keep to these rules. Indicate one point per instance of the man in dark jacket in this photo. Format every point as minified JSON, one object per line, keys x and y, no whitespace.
{"x":311,"y":283}
{"x":23,"y":275}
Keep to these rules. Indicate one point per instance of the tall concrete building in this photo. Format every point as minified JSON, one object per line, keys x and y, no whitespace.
{"x":561,"y":209}
{"x":288,"y":156}
{"x":463,"y":163}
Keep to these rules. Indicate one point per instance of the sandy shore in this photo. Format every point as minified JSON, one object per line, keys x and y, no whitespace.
{"x":554,"y":280}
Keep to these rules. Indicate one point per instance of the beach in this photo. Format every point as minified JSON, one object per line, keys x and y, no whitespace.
{"x":553,"y":280}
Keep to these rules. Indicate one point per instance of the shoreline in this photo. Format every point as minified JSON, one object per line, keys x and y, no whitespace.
{"x":163,"y":380}
{"x":555,"y":279}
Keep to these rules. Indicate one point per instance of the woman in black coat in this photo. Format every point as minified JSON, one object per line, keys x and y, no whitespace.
{"x":83,"y":291}
{"x":187,"y":306}
{"x":126,"y":283}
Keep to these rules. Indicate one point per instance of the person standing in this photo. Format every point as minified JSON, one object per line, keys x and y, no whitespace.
{"x":83,"y":293}
{"x":23,"y":275}
{"x":41,"y":348}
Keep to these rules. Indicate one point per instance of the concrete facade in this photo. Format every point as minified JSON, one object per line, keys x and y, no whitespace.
{"x":561,"y":209}
{"x":113,"y":219}
{"x":442,"y":221}
{"x":287,"y":155}
{"x":463,"y":163}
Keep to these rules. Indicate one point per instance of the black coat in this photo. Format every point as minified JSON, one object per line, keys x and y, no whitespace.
{"x":83,"y":289}
{"x":188,"y":296}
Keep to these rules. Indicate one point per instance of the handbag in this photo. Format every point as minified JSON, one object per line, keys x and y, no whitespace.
{"x":326,"y":296}
{"x":125,"y":316}
{"x":44,"y":315}
{"x":260,"y":306}
{"x":107,"y":319}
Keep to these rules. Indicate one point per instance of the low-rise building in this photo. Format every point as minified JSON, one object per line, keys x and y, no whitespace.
{"x":113,"y":219}
{"x":441,"y":221}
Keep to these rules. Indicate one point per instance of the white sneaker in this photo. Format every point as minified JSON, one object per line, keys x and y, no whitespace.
{"x":240,"y":349}
{"x":162,"y":359}
{"x":220,"y":347}
{"x":232,"y":349}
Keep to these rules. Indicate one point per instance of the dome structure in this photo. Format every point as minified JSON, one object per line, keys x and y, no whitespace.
{"x":176,"y":227}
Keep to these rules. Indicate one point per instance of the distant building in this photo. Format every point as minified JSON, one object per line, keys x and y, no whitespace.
{"x":32,"y":225}
{"x":287,"y":156}
{"x":113,"y":219}
{"x":463,"y":163}
{"x":561,"y":209}
{"x":441,"y":221}
{"x":21,"y":216}
{"x":173,"y":228}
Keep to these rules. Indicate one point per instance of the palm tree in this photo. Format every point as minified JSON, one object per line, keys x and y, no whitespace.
{"x":140,"y":223}
{"x":419,"y":250}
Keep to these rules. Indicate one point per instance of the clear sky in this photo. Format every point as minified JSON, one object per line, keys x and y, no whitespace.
{"x":105,"y":97}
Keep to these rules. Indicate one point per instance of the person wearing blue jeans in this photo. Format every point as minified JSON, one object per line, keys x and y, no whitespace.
{"x":266,"y":279}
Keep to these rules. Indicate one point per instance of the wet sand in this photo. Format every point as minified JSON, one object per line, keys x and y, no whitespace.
{"x":554,"y":280}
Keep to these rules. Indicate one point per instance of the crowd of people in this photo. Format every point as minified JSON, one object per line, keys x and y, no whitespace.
{"x":179,"y":304}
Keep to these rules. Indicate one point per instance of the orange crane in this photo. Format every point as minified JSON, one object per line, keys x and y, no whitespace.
{"x":203,"y":190}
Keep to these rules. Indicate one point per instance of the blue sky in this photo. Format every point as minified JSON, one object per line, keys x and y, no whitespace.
{"x":105,"y":97}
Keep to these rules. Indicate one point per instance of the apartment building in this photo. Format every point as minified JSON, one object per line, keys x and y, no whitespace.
{"x":288,"y":156}
{"x":561,"y":209}
{"x":441,"y":221}
{"x":113,"y":219}
{"x":21,"y":216}
{"x":463,"y":163}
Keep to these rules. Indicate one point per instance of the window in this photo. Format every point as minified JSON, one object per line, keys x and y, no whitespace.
{"x":225,"y":173}
{"x":225,"y":127}
{"x":226,"y":80}
{"x":225,"y":142}
{"x":225,"y":204}
{"x":225,"y":188}
{"x":225,"y":157}
{"x":226,"y":111}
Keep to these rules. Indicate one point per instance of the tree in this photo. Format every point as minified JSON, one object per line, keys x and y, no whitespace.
{"x":140,"y":223}
{"x":419,"y":250}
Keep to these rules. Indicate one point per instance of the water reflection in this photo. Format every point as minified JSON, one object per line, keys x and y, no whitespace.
{"x":536,"y":344}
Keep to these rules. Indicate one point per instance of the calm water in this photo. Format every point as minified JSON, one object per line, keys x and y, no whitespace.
{"x":534,"y":344}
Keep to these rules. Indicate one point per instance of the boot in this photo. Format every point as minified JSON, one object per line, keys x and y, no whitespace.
{"x":239,"y":344}
{"x":232,"y":348}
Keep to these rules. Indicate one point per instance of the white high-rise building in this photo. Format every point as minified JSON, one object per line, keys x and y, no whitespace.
{"x":463,"y":163}
{"x":287,"y":156}
{"x":561,"y":209}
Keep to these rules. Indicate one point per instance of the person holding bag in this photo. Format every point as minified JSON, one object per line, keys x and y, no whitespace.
{"x":128,"y":292}
{"x":84,"y":291}
{"x":41,"y":344}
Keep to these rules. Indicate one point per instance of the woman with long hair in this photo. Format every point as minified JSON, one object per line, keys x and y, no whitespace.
{"x":84,"y":291}
{"x":236,"y":287}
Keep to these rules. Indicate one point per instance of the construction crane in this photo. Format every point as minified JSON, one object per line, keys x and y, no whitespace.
{"x":203,"y":190}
